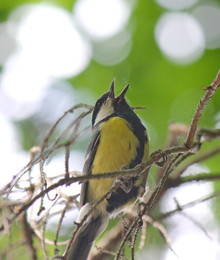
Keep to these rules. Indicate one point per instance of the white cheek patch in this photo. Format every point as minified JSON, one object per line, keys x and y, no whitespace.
{"x":106,"y":110}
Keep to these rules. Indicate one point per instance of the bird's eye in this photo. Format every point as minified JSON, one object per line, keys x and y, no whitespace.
{"x":98,"y":104}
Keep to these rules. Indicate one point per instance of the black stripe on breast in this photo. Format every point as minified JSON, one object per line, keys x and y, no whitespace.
{"x":120,"y":197}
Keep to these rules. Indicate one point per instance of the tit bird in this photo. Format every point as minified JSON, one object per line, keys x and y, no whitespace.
{"x":119,"y":141}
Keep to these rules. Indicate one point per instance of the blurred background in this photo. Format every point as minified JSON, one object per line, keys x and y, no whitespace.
{"x":57,"y":53}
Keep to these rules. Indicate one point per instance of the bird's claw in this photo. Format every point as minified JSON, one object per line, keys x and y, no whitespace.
{"x":163,"y":160}
{"x":125,"y":183}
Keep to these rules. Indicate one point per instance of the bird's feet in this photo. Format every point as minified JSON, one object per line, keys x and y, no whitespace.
{"x":125,"y":183}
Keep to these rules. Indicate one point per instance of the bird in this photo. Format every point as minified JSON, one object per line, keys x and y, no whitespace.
{"x":118,"y":141}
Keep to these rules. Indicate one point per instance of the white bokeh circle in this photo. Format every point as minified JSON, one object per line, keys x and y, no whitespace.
{"x":49,"y":36}
{"x":180,"y":37}
{"x":50,"y":48}
{"x":101,"y":19}
{"x":112,"y":51}
{"x":176,"y":4}
{"x":209,"y":18}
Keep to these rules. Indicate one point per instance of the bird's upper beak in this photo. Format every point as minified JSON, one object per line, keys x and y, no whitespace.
{"x":112,"y":89}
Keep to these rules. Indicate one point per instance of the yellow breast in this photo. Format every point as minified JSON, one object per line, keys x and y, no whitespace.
{"x":117,"y":148}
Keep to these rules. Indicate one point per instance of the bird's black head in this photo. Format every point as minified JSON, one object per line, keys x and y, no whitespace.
{"x":108,"y":105}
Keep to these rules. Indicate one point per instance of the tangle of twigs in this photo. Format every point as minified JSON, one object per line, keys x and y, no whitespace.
{"x":38,"y":190}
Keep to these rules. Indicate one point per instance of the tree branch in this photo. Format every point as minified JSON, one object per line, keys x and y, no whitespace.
{"x":203,"y":102}
{"x":174,"y":182}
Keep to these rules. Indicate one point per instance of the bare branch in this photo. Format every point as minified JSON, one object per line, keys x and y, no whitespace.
{"x":188,"y":205}
{"x":203,"y":102}
{"x":196,"y":222}
{"x":174,"y":182}
{"x":28,"y":235}
{"x":198,"y":158}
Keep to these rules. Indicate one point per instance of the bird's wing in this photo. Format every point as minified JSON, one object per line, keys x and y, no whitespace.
{"x":91,"y":151}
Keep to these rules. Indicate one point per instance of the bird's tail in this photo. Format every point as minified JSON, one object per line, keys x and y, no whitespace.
{"x":81,"y":245}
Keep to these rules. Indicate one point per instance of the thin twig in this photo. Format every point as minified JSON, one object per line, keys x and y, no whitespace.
{"x":135,"y":233}
{"x":56,"y":251}
{"x":79,"y":225}
{"x":196,"y":223}
{"x":67,"y":156}
{"x":163,"y":231}
{"x":107,"y":252}
{"x":173,"y":182}
{"x":41,"y":149}
{"x":125,"y":238}
{"x":28,"y":235}
{"x":203,"y":102}
{"x":131,"y":172}
{"x":188,"y":205}
{"x":199,"y":158}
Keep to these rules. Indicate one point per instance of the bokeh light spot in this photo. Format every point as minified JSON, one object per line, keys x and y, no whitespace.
{"x":180,"y":37}
{"x":209,"y":18}
{"x":101,"y":18}
{"x":176,"y":4}
{"x":7,"y":42}
{"x":48,"y":34}
{"x":114,"y":50}
{"x":50,"y":48}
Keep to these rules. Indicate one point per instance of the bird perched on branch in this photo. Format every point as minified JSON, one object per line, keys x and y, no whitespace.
{"x":118,"y":141}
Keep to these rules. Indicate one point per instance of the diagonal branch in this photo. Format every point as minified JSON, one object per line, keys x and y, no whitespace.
{"x":174,"y":182}
{"x":203,"y":102}
{"x":188,"y":205}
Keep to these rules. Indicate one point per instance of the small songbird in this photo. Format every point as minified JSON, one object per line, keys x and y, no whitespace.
{"x":118,"y":141}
